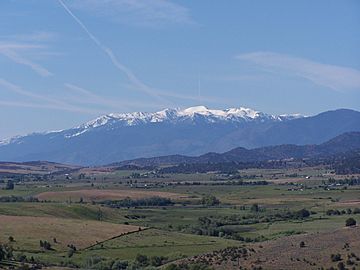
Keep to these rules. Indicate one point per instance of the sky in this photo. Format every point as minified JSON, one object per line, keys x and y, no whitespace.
{"x":65,"y":62}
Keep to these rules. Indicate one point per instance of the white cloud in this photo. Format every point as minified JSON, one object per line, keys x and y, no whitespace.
{"x":15,"y":57}
{"x":37,"y":36}
{"x":335,"y":77}
{"x":40,"y":101}
{"x":82,"y":103}
{"x":177,"y":94}
{"x":240,"y":78}
{"x":137,"y":12}
{"x":18,"y":46}
{"x":12,"y":50}
{"x":88,"y":97}
{"x":44,"y":106}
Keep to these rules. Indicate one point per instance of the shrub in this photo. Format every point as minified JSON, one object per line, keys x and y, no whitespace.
{"x":70,"y":252}
{"x":45,"y":245}
{"x":118,"y":265}
{"x":254,"y":208}
{"x":336,"y":257}
{"x":350,"y":222}
{"x":142,"y":260}
{"x":187,"y":267}
{"x":128,"y":202}
{"x":157,"y":260}
{"x":210,"y":200}
{"x":92,"y":261}
{"x":303,"y":213}
{"x":6,"y":252}
{"x":9,"y":185}
{"x":341,"y":266}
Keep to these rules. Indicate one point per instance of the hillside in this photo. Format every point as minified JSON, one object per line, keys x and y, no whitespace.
{"x":341,"y":144}
{"x":35,"y":167}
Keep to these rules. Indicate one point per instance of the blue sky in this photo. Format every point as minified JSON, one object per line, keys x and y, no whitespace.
{"x":66,"y":62}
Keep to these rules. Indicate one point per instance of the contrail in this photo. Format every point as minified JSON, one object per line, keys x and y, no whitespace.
{"x":50,"y":102}
{"x":45,"y":106}
{"x":90,"y":97}
{"x":11,"y":54}
{"x":129,"y":74}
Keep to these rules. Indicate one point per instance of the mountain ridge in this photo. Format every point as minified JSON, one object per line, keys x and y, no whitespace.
{"x":168,"y":114}
{"x":341,"y":144}
{"x":193,"y":131}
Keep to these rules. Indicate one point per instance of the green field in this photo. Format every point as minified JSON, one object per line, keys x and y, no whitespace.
{"x":182,"y":229}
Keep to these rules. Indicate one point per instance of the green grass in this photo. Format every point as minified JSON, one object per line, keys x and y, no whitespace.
{"x":281,"y":228}
{"x":165,"y":237}
{"x":174,"y":216}
{"x":63,"y":210}
{"x":151,"y":242}
{"x":155,"y":242}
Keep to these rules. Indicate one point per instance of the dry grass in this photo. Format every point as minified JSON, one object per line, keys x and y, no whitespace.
{"x":279,"y":200}
{"x":28,"y":231}
{"x":104,"y":194}
{"x":33,"y":167}
{"x":285,"y":253}
{"x":349,"y":203}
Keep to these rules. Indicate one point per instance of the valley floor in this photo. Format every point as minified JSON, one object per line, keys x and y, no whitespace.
{"x":271,"y":219}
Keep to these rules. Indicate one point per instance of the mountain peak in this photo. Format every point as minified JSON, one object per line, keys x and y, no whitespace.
{"x":236,"y":115}
{"x":196,"y":109}
{"x":190,"y":131}
{"x":231,"y":112}
{"x":169,"y":115}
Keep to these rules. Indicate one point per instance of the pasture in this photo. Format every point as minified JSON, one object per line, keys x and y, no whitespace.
{"x":104,"y":194}
{"x":72,"y":211}
{"x":27,"y":231}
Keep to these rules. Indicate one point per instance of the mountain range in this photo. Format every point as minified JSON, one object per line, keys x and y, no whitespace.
{"x":192,"y":131}
{"x":341,"y":145}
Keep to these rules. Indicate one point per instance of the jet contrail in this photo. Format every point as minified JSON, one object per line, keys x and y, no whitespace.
{"x":90,"y":97}
{"x":50,"y":102}
{"x":14,"y":56}
{"x":46,"y":106}
{"x":129,"y":74}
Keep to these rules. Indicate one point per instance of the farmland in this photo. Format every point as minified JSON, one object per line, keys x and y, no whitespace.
{"x":96,"y":195}
{"x":65,"y":231}
{"x":107,"y":218}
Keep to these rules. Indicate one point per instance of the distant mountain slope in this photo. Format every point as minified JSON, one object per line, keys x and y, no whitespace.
{"x":341,"y":144}
{"x":34,"y":167}
{"x":192,"y":131}
{"x":311,"y":130}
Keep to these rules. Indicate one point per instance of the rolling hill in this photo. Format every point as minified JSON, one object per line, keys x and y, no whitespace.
{"x":342,"y":144}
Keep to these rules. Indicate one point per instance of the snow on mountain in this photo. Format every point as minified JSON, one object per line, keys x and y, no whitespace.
{"x":236,"y":115}
{"x":191,"y":131}
{"x":174,"y":115}
{"x":177,"y":115}
{"x":9,"y":140}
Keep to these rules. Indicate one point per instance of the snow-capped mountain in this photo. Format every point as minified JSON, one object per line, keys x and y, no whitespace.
{"x":192,"y":131}
{"x":170,"y":116}
{"x":192,"y":114}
